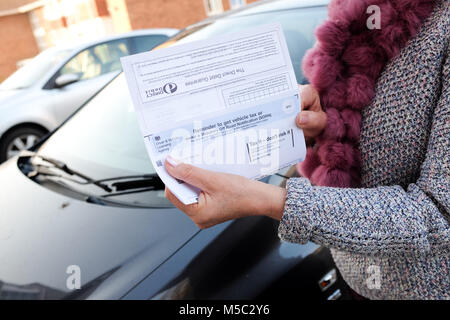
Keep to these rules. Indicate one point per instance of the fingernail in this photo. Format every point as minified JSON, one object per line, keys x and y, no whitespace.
{"x":303,"y":119}
{"x":172,"y":161}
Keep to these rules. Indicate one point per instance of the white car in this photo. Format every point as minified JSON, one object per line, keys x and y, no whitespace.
{"x":45,"y":91}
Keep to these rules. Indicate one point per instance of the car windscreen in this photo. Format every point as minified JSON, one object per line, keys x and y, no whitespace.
{"x":103,"y":139}
{"x":34,"y":70}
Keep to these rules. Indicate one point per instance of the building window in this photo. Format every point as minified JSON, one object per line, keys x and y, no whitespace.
{"x":237,"y":3}
{"x":213,"y":7}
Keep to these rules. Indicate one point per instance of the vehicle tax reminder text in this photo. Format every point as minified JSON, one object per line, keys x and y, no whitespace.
{"x":226,"y":104}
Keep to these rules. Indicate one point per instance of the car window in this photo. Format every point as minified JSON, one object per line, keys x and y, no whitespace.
{"x":146,"y":43}
{"x":97,"y":60}
{"x":34,"y":70}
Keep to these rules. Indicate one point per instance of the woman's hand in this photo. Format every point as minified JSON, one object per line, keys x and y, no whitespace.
{"x":312,"y":119}
{"x":224,"y":196}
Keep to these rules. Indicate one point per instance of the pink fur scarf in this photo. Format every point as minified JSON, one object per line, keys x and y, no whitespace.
{"x":344,"y":67}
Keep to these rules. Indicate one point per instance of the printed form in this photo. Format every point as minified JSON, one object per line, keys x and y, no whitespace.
{"x":226,"y":104}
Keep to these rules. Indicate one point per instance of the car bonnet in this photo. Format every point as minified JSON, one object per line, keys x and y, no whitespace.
{"x":49,"y":243}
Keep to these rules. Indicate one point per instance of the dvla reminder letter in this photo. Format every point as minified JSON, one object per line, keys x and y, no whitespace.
{"x":225,"y":104}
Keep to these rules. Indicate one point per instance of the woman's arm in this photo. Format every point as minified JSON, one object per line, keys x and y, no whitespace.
{"x":385,"y":220}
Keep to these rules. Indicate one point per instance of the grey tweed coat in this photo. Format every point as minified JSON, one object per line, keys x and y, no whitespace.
{"x":391,"y":238}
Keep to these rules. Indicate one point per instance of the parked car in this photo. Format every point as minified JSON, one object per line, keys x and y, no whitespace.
{"x":45,"y":91}
{"x":85,"y":206}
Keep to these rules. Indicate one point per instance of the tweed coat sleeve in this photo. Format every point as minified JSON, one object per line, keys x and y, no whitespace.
{"x":386,"y":220}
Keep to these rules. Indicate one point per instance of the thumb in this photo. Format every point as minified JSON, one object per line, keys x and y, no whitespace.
{"x":311,"y":120}
{"x":188,"y":173}
{"x":309,"y":98}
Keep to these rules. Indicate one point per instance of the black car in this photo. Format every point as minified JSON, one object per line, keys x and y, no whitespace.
{"x":83,"y":215}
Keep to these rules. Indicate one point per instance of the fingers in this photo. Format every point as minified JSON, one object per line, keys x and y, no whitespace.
{"x":311,"y":120}
{"x":309,"y":98}
{"x":312,"y":123}
{"x":189,"y":173}
{"x":191,"y":210}
{"x":177,"y":203}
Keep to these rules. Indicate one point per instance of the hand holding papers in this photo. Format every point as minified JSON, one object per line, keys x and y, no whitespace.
{"x":226,"y":104}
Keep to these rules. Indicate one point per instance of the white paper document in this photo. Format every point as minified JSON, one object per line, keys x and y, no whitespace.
{"x":225,"y":104}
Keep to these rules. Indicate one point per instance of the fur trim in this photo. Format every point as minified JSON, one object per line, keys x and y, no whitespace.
{"x":335,"y":129}
{"x":352,"y":122}
{"x":324,"y":176}
{"x":312,"y":161}
{"x":336,"y":155}
{"x":344,"y":67}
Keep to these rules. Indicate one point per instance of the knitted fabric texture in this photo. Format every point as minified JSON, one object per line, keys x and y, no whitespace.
{"x":397,"y":225}
{"x":344,"y":67}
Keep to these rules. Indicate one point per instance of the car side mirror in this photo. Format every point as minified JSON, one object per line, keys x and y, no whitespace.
{"x":66,"y":79}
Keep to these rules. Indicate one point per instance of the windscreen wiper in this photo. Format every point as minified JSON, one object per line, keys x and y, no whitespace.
{"x":134,"y":184}
{"x":114,"y":186}
{"x":57,"y":164}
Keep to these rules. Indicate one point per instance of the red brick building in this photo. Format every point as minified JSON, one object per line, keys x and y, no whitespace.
{"x":30,"y":26}
{"x":139,"y":14}
{"x":27,"y":26}
{"x":15,"y":45}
